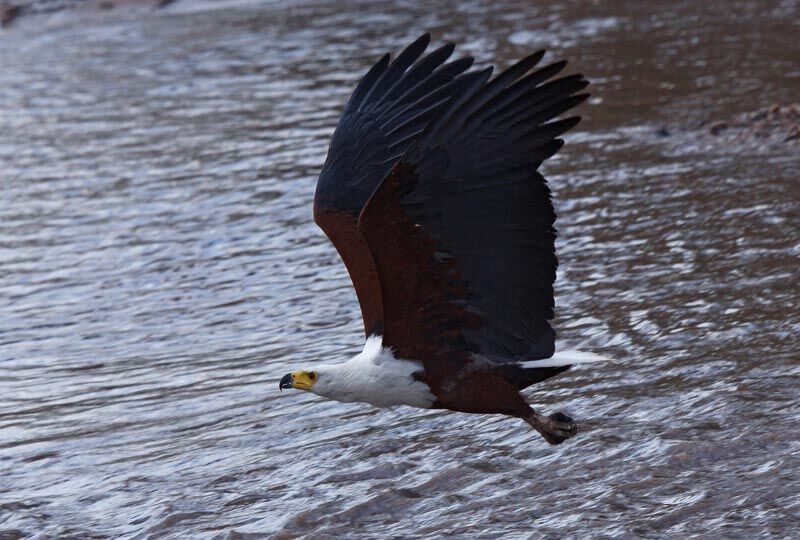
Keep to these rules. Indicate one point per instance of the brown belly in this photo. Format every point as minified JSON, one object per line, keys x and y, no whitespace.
{"x":480,"y":392}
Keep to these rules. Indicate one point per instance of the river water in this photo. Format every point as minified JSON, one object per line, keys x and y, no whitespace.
{"x":160,"y":271}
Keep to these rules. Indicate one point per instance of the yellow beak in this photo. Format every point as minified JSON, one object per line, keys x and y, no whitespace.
{"x":302,"y":380}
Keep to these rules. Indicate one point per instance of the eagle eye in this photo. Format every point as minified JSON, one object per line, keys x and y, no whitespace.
{"x":312,"y":375}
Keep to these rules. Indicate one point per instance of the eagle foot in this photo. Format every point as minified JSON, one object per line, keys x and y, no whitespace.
{"x":556,"y":428}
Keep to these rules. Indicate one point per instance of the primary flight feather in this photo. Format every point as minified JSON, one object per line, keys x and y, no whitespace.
{"x":431,"y":195}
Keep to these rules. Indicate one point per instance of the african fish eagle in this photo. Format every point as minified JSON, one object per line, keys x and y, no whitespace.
{"x":430,"y":193}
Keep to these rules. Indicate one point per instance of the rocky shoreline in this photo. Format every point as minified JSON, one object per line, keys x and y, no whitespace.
{"x":777,"y":124}
{"x":778,"y":121}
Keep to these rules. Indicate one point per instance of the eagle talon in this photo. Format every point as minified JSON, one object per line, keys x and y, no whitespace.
{"x":559,"y":416}
{"x":556,"y":428}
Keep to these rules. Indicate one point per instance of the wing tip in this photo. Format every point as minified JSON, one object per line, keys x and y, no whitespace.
{"x":420,"y":43}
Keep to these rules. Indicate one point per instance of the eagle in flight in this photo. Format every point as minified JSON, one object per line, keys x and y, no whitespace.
{"x":430,"y":193}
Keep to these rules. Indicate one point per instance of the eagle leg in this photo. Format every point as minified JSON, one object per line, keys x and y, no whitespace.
{"x":556,"y":428}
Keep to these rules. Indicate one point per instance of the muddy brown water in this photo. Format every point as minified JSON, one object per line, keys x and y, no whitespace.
{"x":159,"y":272}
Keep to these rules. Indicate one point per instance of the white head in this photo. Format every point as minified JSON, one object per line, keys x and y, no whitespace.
{"x":321,"y":380}
{"x":374,"y":376}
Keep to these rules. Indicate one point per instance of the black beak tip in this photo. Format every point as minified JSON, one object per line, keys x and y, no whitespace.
{"x":286,"y":382}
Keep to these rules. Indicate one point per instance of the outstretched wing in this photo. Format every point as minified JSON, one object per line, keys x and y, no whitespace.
{"x":461,"y":230}
{"x":386,"y":113}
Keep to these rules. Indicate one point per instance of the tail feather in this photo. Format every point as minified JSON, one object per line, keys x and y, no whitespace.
{"x":566,"y":358}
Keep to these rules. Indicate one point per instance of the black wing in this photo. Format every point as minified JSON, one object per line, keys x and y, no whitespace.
{"x":461,"y":231}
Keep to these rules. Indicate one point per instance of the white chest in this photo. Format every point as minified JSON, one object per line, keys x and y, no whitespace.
{"x":376,"y":377}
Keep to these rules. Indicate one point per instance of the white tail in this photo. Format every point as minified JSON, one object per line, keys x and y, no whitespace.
{"x":566,"y":358}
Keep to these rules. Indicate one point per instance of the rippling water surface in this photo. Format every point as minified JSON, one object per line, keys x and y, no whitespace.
{"x":159,"y":272}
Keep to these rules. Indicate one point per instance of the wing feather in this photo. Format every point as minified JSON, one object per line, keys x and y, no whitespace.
{"x":461,"y":229}
{"x":387,"y":111}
